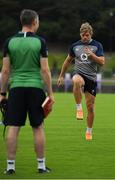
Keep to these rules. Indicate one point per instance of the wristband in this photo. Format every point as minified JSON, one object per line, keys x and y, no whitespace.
{"x":3,"y":93}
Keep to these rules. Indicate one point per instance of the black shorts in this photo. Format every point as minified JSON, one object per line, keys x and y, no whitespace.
{"x":90,"y":85}
{"x":24,"y":101}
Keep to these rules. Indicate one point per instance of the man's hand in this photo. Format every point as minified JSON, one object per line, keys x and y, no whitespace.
{"x":52,"y":101}
{"x":88,"y":52}
{"x":60,"y":81}
{"x":2,"y":98}
{"x":100,"y":60}
{"x":52,"y":98}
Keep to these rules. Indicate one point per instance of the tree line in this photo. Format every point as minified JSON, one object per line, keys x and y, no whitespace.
{"x":60,"y":20}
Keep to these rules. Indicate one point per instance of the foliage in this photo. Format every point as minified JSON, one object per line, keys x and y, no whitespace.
{"x":109,"y":67}
{"x":60,"y":21}
{"x":111,"y":64}
{"x":56,"y":58}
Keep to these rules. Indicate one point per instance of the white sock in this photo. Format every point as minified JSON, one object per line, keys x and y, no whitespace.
{"x":79,"y":106}
{"x":89,"y":130}
{"x":41,"y":163}
{"x":10,"y":164}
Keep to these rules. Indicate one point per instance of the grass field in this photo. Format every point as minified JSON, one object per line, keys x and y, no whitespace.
{"x":68,"y":154}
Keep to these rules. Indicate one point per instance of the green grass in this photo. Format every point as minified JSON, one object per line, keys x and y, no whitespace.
{"x":68,"y":154}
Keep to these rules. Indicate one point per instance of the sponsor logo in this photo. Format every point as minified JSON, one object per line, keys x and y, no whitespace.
{"x":84,"y":57}
{"x":77,"y":49}
{"x":93,"y":91}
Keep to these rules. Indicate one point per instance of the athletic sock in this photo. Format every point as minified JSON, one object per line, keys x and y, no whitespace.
{"x":10,"y":164}
{"x":79,"y":106}
{"x":89,"y":130}
{"x":41,"y":163}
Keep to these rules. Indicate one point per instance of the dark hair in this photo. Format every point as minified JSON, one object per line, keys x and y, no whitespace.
{"x":27,"y":16}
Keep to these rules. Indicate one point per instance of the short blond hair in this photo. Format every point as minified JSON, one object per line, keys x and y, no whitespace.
{"x":86,"y":27}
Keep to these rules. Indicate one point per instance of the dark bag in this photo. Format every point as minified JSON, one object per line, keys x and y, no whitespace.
{"x":3,"y":109}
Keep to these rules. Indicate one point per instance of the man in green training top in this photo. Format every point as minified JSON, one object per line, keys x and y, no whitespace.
{"x":25,"y":66}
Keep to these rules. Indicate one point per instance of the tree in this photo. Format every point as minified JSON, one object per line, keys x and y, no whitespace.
{"x":60,"y":20}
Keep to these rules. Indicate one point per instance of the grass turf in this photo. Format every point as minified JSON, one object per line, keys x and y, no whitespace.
{"x":68,"y":154}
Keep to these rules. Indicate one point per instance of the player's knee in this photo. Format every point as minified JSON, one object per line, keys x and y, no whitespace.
{"x":77,"y":83}
{"x":77,"y":86}
{"x":77,"y":80}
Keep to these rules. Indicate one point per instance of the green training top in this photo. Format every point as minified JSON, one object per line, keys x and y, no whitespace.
{"x":25,"y":50}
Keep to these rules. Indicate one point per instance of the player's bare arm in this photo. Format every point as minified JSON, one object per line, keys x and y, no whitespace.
{"x":64,"y":68}
{"x":100,"y":60}
{"x":45,"y":71}
{"x":5,"y":76}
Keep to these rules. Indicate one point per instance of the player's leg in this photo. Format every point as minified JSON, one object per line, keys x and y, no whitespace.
{"x":39,"y":144}
{"x":15,"y":118}
{"x":90,"y":100}
{"x":11,"y":146}
{"x":78,"y":83}
{"x":39,"y":141}
{"x":36,"y":116}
